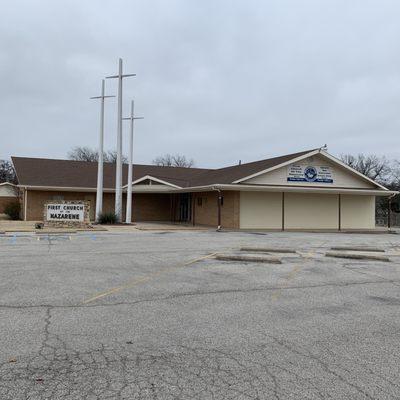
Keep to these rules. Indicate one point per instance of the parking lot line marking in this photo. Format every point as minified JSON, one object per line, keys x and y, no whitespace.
{"x":144,"y":279}
{"x":290,"y":276}
{"x":307,"y":254}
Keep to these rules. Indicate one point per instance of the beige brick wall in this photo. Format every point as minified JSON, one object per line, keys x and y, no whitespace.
{"x":207,"y":212}
{"x":146,"y":206}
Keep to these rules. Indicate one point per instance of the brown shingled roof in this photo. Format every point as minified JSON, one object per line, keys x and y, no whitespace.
{"x":231,"y":174}
{"x":82,"y":174}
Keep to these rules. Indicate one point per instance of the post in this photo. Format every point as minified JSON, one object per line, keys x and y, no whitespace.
{"x":193,"y":209}
{"x":128,"y":218}
{"x":118,"y":174}
{"x":25,"y":203}
{"x":99,"y":192}
{"x":219,"y":209}
{"x":389,"y":209}
{"x":118,"y":167}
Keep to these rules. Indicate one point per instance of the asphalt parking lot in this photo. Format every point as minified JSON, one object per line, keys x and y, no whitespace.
{"x":153,"y":315}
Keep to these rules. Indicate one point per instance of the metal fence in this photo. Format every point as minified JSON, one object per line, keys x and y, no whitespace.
{"x":381,"y":219}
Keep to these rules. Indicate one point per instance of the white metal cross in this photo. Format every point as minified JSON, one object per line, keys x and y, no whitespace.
{"x":128,"y":217}
{"x":99,"y":193}
{"x":118,"y":175}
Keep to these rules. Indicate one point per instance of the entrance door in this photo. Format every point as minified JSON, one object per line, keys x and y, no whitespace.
{"x":184,"y":207}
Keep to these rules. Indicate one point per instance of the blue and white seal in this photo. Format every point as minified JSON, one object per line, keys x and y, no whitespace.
{"x":310,"y":173}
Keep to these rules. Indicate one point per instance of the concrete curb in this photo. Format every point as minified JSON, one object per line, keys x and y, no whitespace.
{"x":358,"y":248}
{"x":357,"y":256}
{"x":267,"y":249}
{"x":41,"y":233}
{"x":232,"y":257}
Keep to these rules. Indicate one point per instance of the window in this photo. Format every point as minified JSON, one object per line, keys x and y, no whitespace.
{"x":199,"y":201}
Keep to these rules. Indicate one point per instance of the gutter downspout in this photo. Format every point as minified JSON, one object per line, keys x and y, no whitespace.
{"x":219,"y":207}
{"x":25,"y":202}
{"x":389,"y":210}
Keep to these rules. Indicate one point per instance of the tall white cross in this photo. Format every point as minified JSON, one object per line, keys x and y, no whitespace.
{"x":99,"y":193}
{"x":118,"y":175}
{"x":128,"y":218}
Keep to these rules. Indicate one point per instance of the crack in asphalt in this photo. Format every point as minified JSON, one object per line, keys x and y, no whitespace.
{"x":261,"y":361}
{"x":124,"y":370}
{"x":200,"y":293}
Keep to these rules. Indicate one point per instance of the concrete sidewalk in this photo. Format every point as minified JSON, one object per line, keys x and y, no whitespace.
{"x":29,"y":226}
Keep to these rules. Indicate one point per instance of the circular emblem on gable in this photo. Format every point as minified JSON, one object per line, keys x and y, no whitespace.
{"x":310,"y":173}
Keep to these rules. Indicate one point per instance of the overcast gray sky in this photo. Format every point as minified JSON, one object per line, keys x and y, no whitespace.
{"x":217,"y":81}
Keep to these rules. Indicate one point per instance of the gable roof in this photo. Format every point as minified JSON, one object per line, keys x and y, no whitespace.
{"x":299,"y":157}
{"x":43,"y":172}
{"x":235,"y":172}
{"x":152,"y":179}
{"x":83,"y":174}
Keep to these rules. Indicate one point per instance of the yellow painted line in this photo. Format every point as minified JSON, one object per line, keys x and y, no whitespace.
{"x":147,"y":278}
{"x":276,"y":294}
{"x":293,"y":272}
{"x":308,"y":254}
{"x":291,"y":275}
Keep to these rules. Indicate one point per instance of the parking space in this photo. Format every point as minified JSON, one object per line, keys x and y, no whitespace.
{"x":154,"y":314}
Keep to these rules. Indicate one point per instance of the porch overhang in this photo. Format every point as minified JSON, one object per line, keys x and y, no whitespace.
{"x":232,"y":187}
{"x":287,"y":188}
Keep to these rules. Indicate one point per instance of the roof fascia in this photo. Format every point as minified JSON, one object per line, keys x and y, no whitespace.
{"x":153,"y":179}
{"x":64,"y":188}
{"x":352,"y":170}
{"x":292,"y":160}
{"x":277,"y":188}
{"x":15,"y":169}
{"x":238,"y":187}
{"x":7,"y":183}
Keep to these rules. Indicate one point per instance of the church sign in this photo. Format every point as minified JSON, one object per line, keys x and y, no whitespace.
{"x":66,"y":213}
{"x":309,"y":173}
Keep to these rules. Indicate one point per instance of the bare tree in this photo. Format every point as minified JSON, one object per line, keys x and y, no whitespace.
{"x":88,"y":154}
{"x":177,"y":160}
{"x":395,"y":181}
{"x":374,"y":167}
{"x":111,"y":157}
{"x":78,"y":153}
{"x":7,"y":173}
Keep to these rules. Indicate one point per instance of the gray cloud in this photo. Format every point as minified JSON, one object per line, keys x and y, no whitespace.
{"x":217,"y":81}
